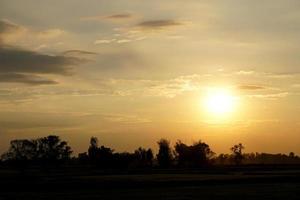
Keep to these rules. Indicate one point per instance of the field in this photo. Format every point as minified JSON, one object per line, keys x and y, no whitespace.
{"x":223,"y":183}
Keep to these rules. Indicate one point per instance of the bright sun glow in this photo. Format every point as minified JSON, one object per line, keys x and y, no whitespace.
{"x":219,"y":102}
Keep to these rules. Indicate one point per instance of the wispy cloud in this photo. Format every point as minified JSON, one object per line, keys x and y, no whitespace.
{"x":10,"y":31}
{"x":126,"y":119}
{"x":14,"y":34}
{"x":273,"y":96}
{"x":50,"y":34}
{"x":158,"y":24}
{"x":105,"y":41}
{"x":141,"y":31}
{"x":76,"y":52}
{"x":251,"y":87}
{"x":113,"y":17}
{"x":25,"y":78}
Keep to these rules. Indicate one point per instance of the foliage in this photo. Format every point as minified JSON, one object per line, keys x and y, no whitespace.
{"x":164,"y":156}
{"x":195,"y":155}
{"x":237,"y":153}
{"x":46,"y":149}
{"x":52,"y":149}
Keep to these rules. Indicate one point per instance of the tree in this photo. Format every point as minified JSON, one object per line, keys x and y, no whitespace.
{"x":51,"y":148}
{"x":292,"y":155}
{"x":196,"y":155}
{"x":143,"y":157}
{"x":102,"y":156}
{"x":164,"y":156}
{"x":237,"y":153}
{"x":92,"y":151}
{"x":150,"y":157}
{"x":48,"y":149}
{"x":21,"y":150}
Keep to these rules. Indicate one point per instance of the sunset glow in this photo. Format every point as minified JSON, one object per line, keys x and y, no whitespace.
{"x":219,"y":102}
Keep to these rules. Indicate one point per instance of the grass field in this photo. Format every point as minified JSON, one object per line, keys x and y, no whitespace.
{"x":246,"y":183}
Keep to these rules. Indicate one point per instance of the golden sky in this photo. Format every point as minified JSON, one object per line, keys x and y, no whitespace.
{"x":132,"y":71}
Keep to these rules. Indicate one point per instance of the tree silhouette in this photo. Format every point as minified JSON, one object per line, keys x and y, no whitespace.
{"x":21,"y":150}
{"x":143,"y":157}
{"x":196,"y":155}
{"x":150,"y":157}
{"x":51,"y":148}
{"x":237,"y":153}
{"x":46,"y":149}
{"x":93,"y":149}
{"x":164,"y":156}
{"x":102,"y":156}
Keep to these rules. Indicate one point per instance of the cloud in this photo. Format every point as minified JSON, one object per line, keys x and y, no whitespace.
{"x":168,"y":88}
{"x":50,"y":34}
{"x":105,"y":41}
{"x":10,"y":31}
{"x":17,"y":35}
{"x":251,"y":87}
{"x":123,"y":41}
{"x":7,"y":26}
{"x":158,"y":24}
{"x":76,"y":52}
{"x":269,"y":96}
{"x":126,"y":119}
{"x":114,"y":40}
{"x":25,"y":66}
{"x":119,"y":16}
{"x":113,"y":17}
{"x":245,"y":72}
{"x":25,"y":78}
{"x":138,"y":31}
{"x":15,"y":60}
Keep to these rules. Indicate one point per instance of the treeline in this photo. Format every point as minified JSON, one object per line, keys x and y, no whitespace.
{"x":52,"y":150}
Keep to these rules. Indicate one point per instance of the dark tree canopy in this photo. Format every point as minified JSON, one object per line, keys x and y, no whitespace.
{"x":49,"y":149}
{"x":237,"y":151}
{"x":52,"y":150}
{"x":164,"y":156}
{"x":102,"y":156}
{"x":196,"y":155}
{"x":143,"y":157}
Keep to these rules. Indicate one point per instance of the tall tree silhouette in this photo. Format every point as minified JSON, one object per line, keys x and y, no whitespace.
{"x":237,"y":151}
{"x":93,"y":149}
{"x":164,"y":156}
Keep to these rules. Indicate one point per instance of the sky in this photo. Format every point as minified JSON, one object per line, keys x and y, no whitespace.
{"x":132,"y":71}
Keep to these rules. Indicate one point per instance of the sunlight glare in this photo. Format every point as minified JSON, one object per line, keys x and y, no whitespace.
{"x":219,"y":102}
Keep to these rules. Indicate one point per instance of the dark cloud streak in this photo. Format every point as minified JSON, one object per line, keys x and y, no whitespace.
{"x":14,"y":60}
{"x":158,"y":24}
{"x":25,"y":78}
{"x":119,"y":16}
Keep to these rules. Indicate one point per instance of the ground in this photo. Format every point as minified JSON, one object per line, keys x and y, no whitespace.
{"x":73,"y":183}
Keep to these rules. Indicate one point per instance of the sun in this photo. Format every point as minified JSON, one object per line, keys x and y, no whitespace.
{"x":219,"y":102}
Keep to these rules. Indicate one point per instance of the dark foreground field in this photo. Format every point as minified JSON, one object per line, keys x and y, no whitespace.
{"x":242,"y":183}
